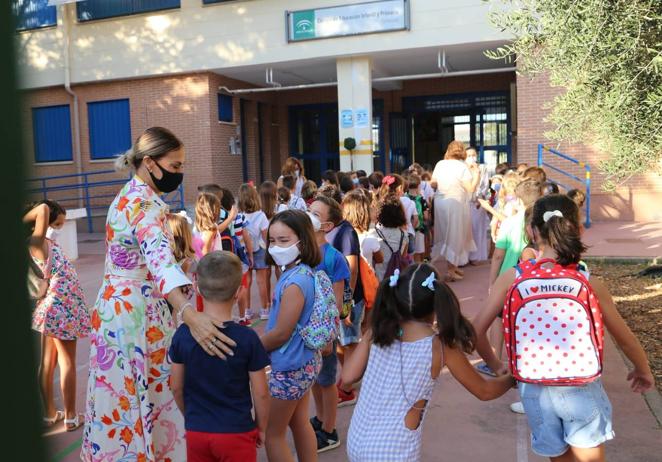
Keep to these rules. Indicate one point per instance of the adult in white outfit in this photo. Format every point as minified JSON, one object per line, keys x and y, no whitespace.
{"x":456,"y":182}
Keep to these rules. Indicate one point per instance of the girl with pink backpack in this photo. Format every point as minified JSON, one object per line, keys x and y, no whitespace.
{"x":553,"y":321}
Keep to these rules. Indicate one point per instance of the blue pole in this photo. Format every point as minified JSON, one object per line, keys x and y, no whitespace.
{"x":540,"y":155}
{"x":588,"y":196}
{"x":88,"y":208}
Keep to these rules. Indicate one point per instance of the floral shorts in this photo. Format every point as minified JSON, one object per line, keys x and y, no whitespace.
{"x":292,"y":385}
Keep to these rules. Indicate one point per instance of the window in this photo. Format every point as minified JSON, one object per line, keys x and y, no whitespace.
{"x":90,"y":10}
{"x":33,"y":14}
{"x":225,"y":108}
{"x":109,"y":127}
{"x":51,"y":130}
{"x":209,"y":2}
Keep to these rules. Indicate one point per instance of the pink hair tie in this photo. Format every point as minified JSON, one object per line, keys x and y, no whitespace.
{"x":388,"y":180}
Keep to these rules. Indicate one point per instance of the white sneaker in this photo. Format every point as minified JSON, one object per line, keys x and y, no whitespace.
{"x":517,"y":408}
{"x":249,"y":313}
{"x":264,"y":314}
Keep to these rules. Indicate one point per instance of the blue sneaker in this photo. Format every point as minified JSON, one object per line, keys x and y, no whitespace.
{"x":485,"y":369}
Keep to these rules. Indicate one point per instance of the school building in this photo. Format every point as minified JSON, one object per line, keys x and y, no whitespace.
{"x":248,"y":83}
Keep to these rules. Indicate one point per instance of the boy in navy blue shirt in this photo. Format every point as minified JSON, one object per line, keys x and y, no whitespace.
{"x":214,"y":394}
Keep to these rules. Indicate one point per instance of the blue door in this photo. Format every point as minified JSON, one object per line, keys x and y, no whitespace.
{"x":314,"y":138}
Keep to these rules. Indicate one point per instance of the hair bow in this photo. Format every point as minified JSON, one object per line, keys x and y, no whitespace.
{"x":429,"y":282}
{"x":548,"y":215}
{"x":393,"y":280}
{"x":182,"y":213}
{"x":388,"y":180}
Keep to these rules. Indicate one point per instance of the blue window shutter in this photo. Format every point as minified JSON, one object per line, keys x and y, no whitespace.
{"x":99,"y":9}
{"x":33,"y":14}
{"x":109,"y":127}
{"x":51,"y":130}
{"x":225,"y":108}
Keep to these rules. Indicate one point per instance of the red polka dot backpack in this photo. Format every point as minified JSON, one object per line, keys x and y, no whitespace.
{"x":553,"y":325}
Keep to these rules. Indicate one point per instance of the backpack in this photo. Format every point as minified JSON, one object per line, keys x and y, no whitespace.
{"x":323,"y":325}
{"x":369,"y":281}
{"x":552,"y":325}
{"x":396,"y":261}
{"x":418,"y":201}
{"x":348,"y":295}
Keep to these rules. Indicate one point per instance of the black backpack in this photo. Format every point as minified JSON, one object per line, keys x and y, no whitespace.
{"x":396,"y":261}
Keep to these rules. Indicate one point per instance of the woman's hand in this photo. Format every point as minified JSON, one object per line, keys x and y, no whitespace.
{"x":205,"y":331}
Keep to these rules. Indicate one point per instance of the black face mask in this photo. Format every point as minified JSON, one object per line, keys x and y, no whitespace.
{"x":168,"y":182}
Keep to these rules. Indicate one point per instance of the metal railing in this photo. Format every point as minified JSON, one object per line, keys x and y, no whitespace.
{"x":84,"y":187}
{"x":586,"y":181}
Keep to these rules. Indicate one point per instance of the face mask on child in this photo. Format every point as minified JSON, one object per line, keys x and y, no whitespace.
{"x":355,"y":180}
{"x":52,"y":233}
{"x":317,"y":224}
{"x":297,"y":173}
{"x":283,"y":256}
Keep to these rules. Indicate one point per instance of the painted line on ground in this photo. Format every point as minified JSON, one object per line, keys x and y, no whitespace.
{"x":522,"y":439}
{"x":68,"y":450}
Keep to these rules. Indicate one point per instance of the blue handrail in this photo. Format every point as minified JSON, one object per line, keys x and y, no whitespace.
{"x":586,"y":180}
{"x":81,"y":182}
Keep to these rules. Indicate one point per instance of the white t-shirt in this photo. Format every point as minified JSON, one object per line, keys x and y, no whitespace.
{"x":256,"y":222}
{"x":281,"y":207}
{"x":298,"y":185}
{"x":410,"y":211}
{"x":297,"y":203}
{"x":370,"y":243}
{"x":426,"y":190}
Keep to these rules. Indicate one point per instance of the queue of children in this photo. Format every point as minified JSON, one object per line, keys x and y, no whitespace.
{"x":355,"y":288}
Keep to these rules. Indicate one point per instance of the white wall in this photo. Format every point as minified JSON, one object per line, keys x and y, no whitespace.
{"x":218,"y":36}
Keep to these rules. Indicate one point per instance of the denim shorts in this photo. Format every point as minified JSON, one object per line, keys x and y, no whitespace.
{"x":352,"y":333}
{"x":329,"y":371}
{"x":560,"y":417}
{"x":259,"y":259}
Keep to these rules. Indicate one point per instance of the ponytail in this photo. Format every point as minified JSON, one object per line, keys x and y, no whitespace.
{"x":556,"y":217}
{"x":386,"y":316}
{"x":126,"y":162}
{"x":455,"y":331}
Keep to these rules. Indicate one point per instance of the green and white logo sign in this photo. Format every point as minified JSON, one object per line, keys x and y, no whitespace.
{"x":339,"y":21}
{"x":304,"y":24}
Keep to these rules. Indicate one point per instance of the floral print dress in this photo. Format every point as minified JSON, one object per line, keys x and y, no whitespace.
{"x":131,"y":413}
{"x":62,"y":313}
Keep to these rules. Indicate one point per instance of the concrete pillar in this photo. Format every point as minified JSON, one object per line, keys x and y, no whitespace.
{"x":355,"y":112}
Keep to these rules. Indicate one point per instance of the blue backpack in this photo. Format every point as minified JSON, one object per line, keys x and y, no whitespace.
{"x":323,"y":325}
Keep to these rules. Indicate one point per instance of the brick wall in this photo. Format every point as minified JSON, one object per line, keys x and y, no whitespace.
{"x":638,"y":199}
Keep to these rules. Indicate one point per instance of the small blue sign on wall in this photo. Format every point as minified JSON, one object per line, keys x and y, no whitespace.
{"x":346,"y":118}
{"x":361,"y":118}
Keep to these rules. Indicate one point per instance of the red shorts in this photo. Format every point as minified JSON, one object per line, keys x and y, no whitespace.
{"x":217,"y":447}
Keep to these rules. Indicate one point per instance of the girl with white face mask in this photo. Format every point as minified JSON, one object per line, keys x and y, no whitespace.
{"x":294,"y":367}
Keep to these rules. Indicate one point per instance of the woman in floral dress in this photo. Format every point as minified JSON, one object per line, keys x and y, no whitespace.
{"x":60,"y":316}
{"x":131,"y":413}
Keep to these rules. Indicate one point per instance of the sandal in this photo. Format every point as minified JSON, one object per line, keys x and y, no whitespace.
{"x":453,"y":277}
{"x":48,"y":421}
{"x":74,"y":424}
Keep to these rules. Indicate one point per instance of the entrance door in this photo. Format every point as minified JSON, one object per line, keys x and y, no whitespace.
{"x":400,"y":130}
{"x":314,"y":138}
{"x":477,"y":119}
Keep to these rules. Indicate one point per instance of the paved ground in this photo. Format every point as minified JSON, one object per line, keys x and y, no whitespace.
{"x":458,"y":426}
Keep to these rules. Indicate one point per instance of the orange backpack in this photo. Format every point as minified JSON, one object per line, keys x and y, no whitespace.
{"x":369,"y":281}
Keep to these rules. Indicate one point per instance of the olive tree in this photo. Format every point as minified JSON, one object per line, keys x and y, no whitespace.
{"x":606,"y":55}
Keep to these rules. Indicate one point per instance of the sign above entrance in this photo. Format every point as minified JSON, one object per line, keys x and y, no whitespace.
{"x":340,"y":21}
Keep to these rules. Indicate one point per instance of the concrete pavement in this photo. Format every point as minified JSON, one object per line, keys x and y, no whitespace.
{"x":458,"y":427}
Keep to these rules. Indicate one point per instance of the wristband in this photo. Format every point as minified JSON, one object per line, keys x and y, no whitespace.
{"x":180,"y":314}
